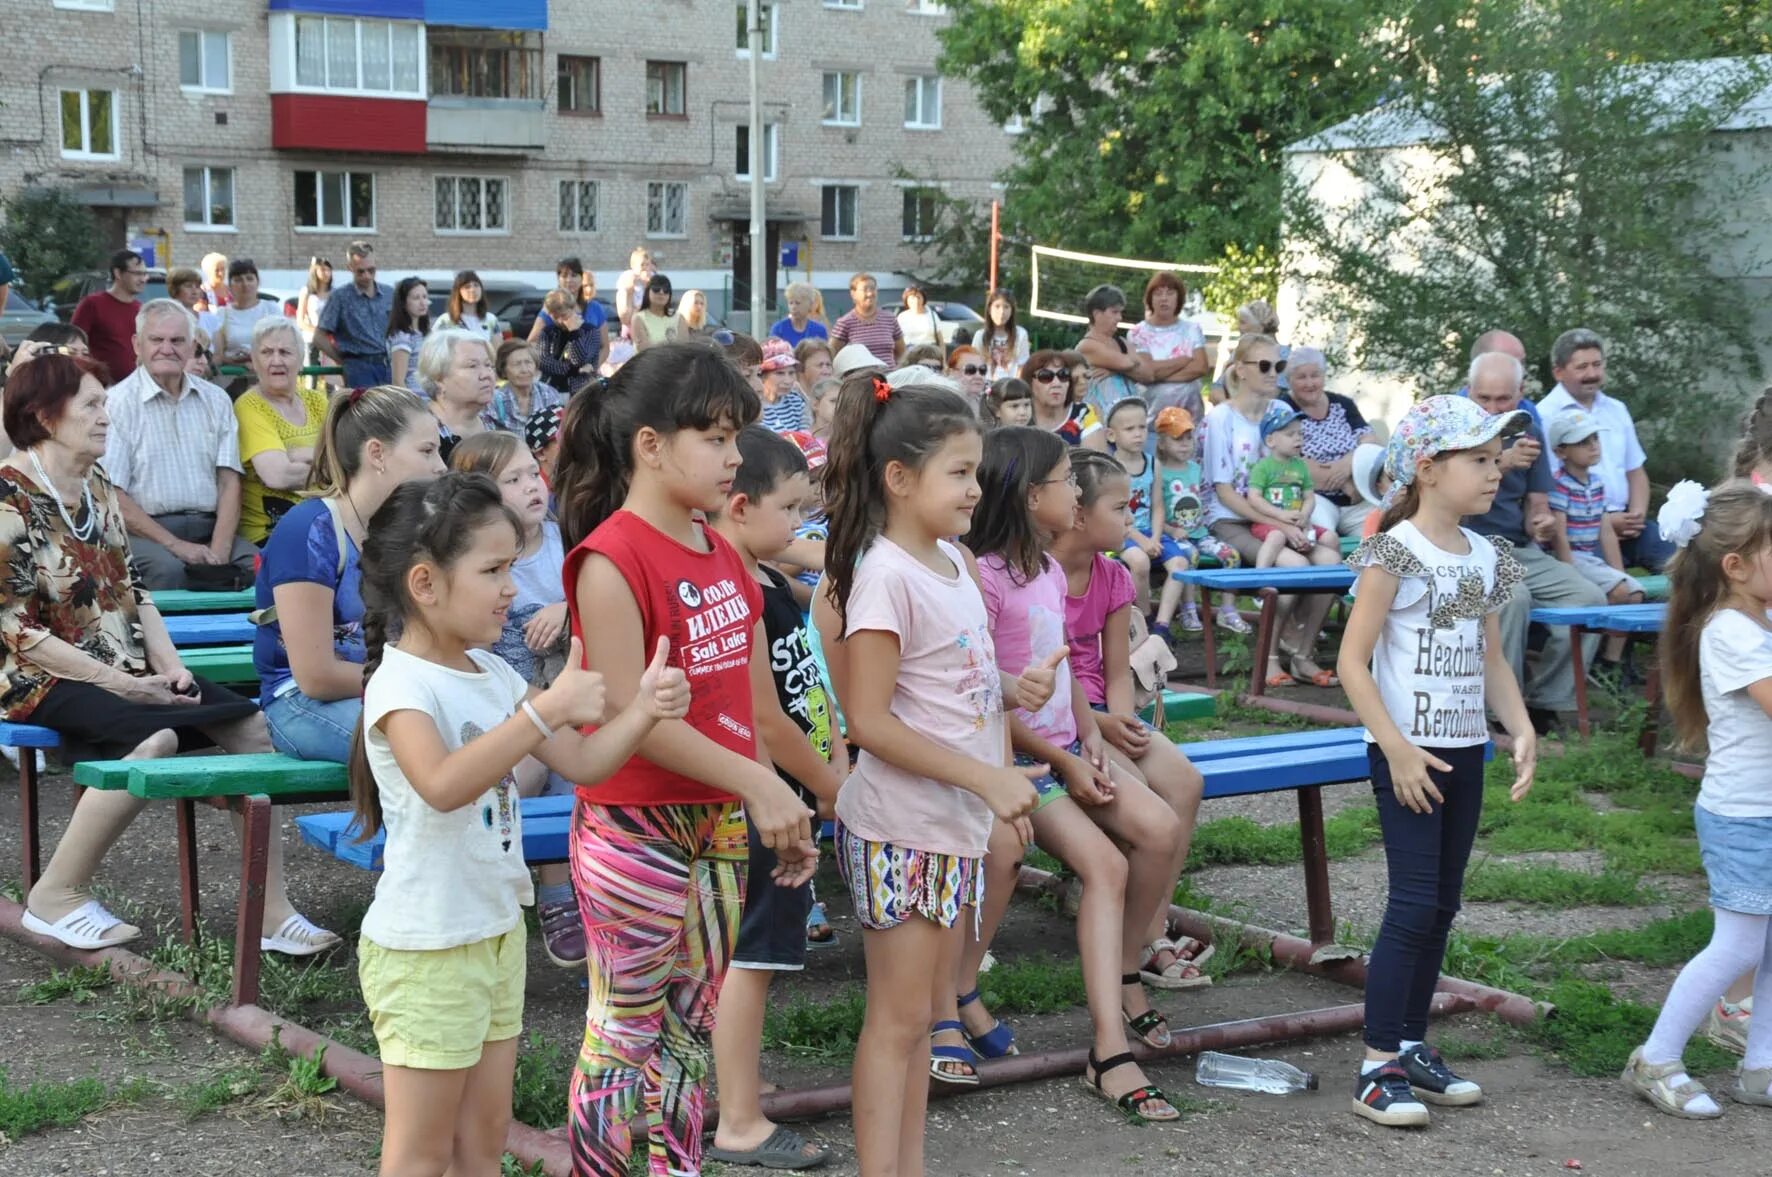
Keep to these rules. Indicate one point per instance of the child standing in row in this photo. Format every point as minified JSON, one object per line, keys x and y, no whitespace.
{"x":915,"y":816}
{"x":1584,"y":535}
{"x":1179,"y":521}
{"x":1716,"y":654}
{"x":1138,"y":548}
{"x":659,"y":850}
{"x":445,"y":723}
{"x":1421,"y":655}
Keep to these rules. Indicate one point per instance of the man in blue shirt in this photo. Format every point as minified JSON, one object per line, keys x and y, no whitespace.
{"x":354,"y":325}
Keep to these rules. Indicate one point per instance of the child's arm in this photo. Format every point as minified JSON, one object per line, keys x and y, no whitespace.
{"x":1086,"y":784}
{"x":1560,"y":537}
{"x":804,"y":553}
{"x":1306,"y":505}
{"x":1029,"y":690}
{"x":1374,"y":594}
{"x":1120,"y":723}
{"x":789,"y":749}
{"x":1609,"y":549}
{"x":672,"y":744}
{"x":1502,"y":692}
{"x":663,"y":694}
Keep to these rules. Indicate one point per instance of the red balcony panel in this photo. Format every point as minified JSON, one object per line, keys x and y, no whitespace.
{"x":329,"y":122}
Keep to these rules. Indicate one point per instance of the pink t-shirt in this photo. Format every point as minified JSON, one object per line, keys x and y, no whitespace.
{"x":947,"y":691}
{"x":1110,"y":590}
{"x":1027,"y":623}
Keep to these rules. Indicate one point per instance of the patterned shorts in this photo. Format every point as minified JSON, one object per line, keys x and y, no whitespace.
{"x":1051,"y":786}
{"x":890,"y":884}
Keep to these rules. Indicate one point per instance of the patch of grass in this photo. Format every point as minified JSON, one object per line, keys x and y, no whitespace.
{"x":287,"y":986}
{"x":824,"y":1030}
{"x":1553,"y":886}
{"x":1593,"y":1032}
{"x":203,"y":1096}
{"x":79,"y":984}
{"x":540,"y":1083}
{"x":510,"y":1166}
{"x":11,"y":889}
{"x":1033,"y":986}
{"x":1462,"y":1047}
{"x":31,"y":1108}
{"x":1238,"y":841}
{"x":304,"y":1086}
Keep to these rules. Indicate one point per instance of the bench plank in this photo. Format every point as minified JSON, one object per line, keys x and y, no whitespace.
{"x":1317,"y":578}
{"x":210,"y":629}
{"x":547,"y":827}
{"x":1645,"y":618}
{"x":28,"y":735}
{"x":269,"y":774}
{"x":228,"y":665}
{"x":1298,"y":743}
{"x":191,"y":601}
{"x":1179,"y":705}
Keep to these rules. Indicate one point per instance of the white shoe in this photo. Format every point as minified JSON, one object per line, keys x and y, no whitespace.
{"x":84,"y":927}
{"x":298,"y":936}
{"x":11,"y":755}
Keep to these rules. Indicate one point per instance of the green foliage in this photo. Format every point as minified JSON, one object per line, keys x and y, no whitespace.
{"x":510,"y":1166}
{"x":32,"y":1108}
{"x":1243,"y":276}
{"x":825,"y":1030}
{"x":1553,"y":886}
{"x":539,"y":1083}
{"x":1237,"y":841}
{"x":1563,"y":182}
{"x":1593,"y":1032}
{"x":48,"y":233}
{"x":218,"y":1091}
{"x":79,"y":984}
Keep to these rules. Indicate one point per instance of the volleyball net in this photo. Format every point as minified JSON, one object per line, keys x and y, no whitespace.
{"x":1060,"y":278}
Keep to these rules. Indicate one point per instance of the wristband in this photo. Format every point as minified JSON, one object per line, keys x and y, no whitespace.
{"x":547,"y":733}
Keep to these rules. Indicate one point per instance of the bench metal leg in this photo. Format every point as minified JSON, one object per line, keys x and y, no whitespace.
{"x":1206,"y":633}
{"x":1576,"y":633}
{"x":1316,"y":865}
{"x":184,"y":813}
{"x":28,"y":811}
{"x":249,"y":927}
{"x":1265,"y":627}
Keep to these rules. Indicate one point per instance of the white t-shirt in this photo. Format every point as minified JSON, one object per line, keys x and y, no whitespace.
{"x":1429,"y":658}
{"x":454,"y":878}
{"x":235,"y":325}
{"x":1230,"y":447}
{"x":1734,"y":652}
{"x":919,"y":327}
{"x":1620,"y":451}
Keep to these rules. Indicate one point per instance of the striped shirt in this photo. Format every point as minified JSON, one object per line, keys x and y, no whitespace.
{"x":788,"y":412}
{"x":1584,"y":504}
{"x":164,"y":453}
{"x":877,"y":334}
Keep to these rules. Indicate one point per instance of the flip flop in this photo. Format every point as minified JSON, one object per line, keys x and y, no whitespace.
{"x":84,"y":927}
{"x":819,"y":933}
{"x":785,"y":1149}
{"x":1282,"y":679}
{"x":297,"y":936}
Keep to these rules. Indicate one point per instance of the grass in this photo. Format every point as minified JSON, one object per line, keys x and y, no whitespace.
{"x":1489,"y":882}
{"x":305,"y":1085}
{"x":510,"y":1166}
{"x":32,"y":1108}
{"x":539,"y":1084}
{"x":1238,"y":841}
{"x":79,"y":985}
{"x":225,"y":1087}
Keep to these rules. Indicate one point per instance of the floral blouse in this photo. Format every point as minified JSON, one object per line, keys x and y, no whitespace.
{"x":55,"y":585}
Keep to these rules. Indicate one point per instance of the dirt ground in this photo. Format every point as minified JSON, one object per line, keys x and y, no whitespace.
{"x":1535,"y":1119}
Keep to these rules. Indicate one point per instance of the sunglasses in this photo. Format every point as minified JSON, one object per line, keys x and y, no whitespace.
{"x":1266,"y":366}
{"x":1048,"y":375}
{"x":973,"y":370}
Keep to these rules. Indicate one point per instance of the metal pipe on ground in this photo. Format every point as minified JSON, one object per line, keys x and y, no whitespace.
{"x":252,"y":1027}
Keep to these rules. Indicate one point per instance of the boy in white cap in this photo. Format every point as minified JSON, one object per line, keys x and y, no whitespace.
{"x":1583,"y":536}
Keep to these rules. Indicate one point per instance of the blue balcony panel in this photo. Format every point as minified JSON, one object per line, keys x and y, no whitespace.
{"x":381,"y":9}
{"x":478,"y":14}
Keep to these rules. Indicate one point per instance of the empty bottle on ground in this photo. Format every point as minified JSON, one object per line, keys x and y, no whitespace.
{"x":1270,"y":1076}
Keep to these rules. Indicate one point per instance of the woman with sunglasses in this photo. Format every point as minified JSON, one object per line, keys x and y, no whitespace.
{"x":967,"y":366}
{"x":1114,"y":371}
{"x":1230,"y":450}
{"x":1057,"y":409}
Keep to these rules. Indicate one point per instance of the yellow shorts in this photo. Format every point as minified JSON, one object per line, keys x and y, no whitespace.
{"x":434,"y":1010}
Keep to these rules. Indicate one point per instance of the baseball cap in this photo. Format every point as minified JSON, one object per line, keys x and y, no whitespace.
{"x":1174,"y":421}
{"x":1570,"y":426}
{"x":853,"y":358}
{"x":778,"y":355}
{"x":810,"y":446}
{"x":1439,"y":425}
{"x":542,"y":427}
{"x":1277,"y":417}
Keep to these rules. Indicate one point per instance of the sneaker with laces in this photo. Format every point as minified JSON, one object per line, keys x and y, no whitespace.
{"x":1190,"y":618}
{"x":1232,"y":620}
{"x":1384,"y":1096}
{"x":1726,"y":1026}
{"x":563,"y":934}
{"x":1432,"y":1080}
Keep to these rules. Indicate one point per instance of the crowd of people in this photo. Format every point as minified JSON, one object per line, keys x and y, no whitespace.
{"x":983,"y":525}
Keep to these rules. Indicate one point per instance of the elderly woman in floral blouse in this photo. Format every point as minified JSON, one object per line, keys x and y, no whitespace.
{"x":84,"y":652}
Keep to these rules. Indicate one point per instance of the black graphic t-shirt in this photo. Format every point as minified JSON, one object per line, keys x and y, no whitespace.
{"x":798,"y":684}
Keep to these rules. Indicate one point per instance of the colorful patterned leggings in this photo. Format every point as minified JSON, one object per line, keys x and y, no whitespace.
{"x":660,"y":889}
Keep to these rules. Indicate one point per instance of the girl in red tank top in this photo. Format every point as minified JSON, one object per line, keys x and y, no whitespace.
{"x":659,"y":849}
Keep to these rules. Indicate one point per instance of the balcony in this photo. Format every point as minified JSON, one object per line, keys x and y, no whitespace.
{"x":499,"y":126}
{"x":486,"y":91}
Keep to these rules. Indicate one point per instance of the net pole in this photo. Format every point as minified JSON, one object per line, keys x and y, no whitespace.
{"x":996,"y":238}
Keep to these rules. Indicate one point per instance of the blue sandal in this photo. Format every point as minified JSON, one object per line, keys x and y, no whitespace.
{"x":943,"y":1060}
{"x":819,"y":933}
{"x":997,"y":1042}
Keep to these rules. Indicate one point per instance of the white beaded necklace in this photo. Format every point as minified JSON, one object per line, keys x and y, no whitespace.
{"x":83,"y":534}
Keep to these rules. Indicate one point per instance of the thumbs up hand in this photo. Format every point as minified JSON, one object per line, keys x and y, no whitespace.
{"x":664,"y":689}
{"x":1036,"y":684}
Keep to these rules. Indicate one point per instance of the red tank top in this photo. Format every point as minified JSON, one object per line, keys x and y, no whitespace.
{"x":708,"y":605}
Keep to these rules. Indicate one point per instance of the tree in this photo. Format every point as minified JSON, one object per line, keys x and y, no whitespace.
{"x":47,"y":234}
{"x":1539,"y":166}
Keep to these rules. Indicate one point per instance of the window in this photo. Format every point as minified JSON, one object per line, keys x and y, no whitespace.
{"x":667,"y":209}
{"x":767,"y":13}
{"x":89,"y":124}
{"x":472,"y":204}
{"x":578,"y":206}
{"x":928,"y":7}
{"x":743,"y":170}
{"x":579,"y":83}
{"x":837,"y":218}
{"x":203,"y":61}
{"x":86,"y":5}
{"x":666,"y":82}
{"x":209,"y":198}
{"x":922,"y":103}
{"x":842,"y":98}
{"x":335,"y":200}
{"x":856,"y":4}
{"x":1019,"y":123}
{"x":481,"y":63}
{"x":359,"y":56}
{"x":922,"y":208}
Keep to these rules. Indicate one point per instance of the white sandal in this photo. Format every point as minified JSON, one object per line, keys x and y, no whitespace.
{"x":298,"y":936}
{"x":84,"y":927}
{"x":1650,"y":1080}
{"x":1175,"y":976}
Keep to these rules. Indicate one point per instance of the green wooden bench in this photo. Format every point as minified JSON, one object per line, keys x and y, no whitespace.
{"x":1654,"y":587}
{"x":247,"y":785}
{"x":189,"y":601}
{"x":228,"y":665}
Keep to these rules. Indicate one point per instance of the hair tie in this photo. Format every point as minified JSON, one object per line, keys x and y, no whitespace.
{"x":882,"y":390}
{"x":356,"y":394}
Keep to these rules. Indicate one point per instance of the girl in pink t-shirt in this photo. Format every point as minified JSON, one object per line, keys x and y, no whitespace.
{"x":914,"y":818}
{"x":1092,"y":801}
{"x":1098,"y":621}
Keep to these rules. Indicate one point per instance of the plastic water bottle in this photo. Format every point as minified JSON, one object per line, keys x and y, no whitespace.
{"x":1269,"y":1076}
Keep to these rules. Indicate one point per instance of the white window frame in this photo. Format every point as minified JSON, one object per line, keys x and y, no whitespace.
{"x":209,"y":173}
{"x":84,"y":151}
{"x":922,"y":83}
{"x":485,"y":178}
{"x":575,"y":187}
{"x":846,"y":5}
{"x":206,"y":84}
{"x":926,"y":7}
{"x":839,"y":74}
{"x":771,"y":30}
{"x":87,"y":5}
{"x":420,"y":90}
{"x":343,"y":226}
{"x":664,"y":112}
{"x":771,"y":151}
{"x":854,"y":213}
{"x":659,"y":190}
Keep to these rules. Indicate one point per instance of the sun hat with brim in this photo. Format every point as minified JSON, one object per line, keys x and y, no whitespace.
{"x":1570,"y":426}
{"x":1439,"y":425}
{"x":854,"y":357}
{"x":778,"y":356}
{"x":1368,"y":458}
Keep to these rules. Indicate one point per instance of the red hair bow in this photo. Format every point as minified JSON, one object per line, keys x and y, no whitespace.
{"x":882,"y":390}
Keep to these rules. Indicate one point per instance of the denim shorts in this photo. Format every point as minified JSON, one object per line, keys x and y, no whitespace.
{"x":1051,"y":786}
{"x":311,"y":730}
{"x":1737,"y":853}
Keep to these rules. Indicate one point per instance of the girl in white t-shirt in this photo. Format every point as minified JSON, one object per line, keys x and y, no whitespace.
{"x":1716,"y":656}
{"x":1421,"y":658}
{"x":924,"y":702}
{"x":445,"y":724}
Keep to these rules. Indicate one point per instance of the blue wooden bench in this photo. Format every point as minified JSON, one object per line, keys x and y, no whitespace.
{"x":209,"y":629}
{"x":1267,"y":585}
{"x":547,"y":826}
{"x":1633,"y":622}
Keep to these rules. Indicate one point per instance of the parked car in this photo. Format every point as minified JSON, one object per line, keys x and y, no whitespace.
{"x":21,"y":317}
{"x":950,"y":317}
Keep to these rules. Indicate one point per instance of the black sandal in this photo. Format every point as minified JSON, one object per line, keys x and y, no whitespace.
{"x":1130,"y":1103}
{"x":1151,"y":1027}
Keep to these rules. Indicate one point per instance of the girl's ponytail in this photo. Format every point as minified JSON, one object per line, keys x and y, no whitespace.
{"x":1408,"y":502}
{"x":1756,"y":437}
{"x":365,"y":796}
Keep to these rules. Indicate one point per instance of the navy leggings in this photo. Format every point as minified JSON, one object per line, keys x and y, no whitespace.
{"x":1426,"y":855}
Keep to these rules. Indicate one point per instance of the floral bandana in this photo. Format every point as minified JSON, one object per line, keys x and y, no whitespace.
{"x":1438,"y":425}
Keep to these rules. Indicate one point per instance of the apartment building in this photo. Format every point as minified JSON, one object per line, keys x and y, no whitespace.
{"x":497,"y":134}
